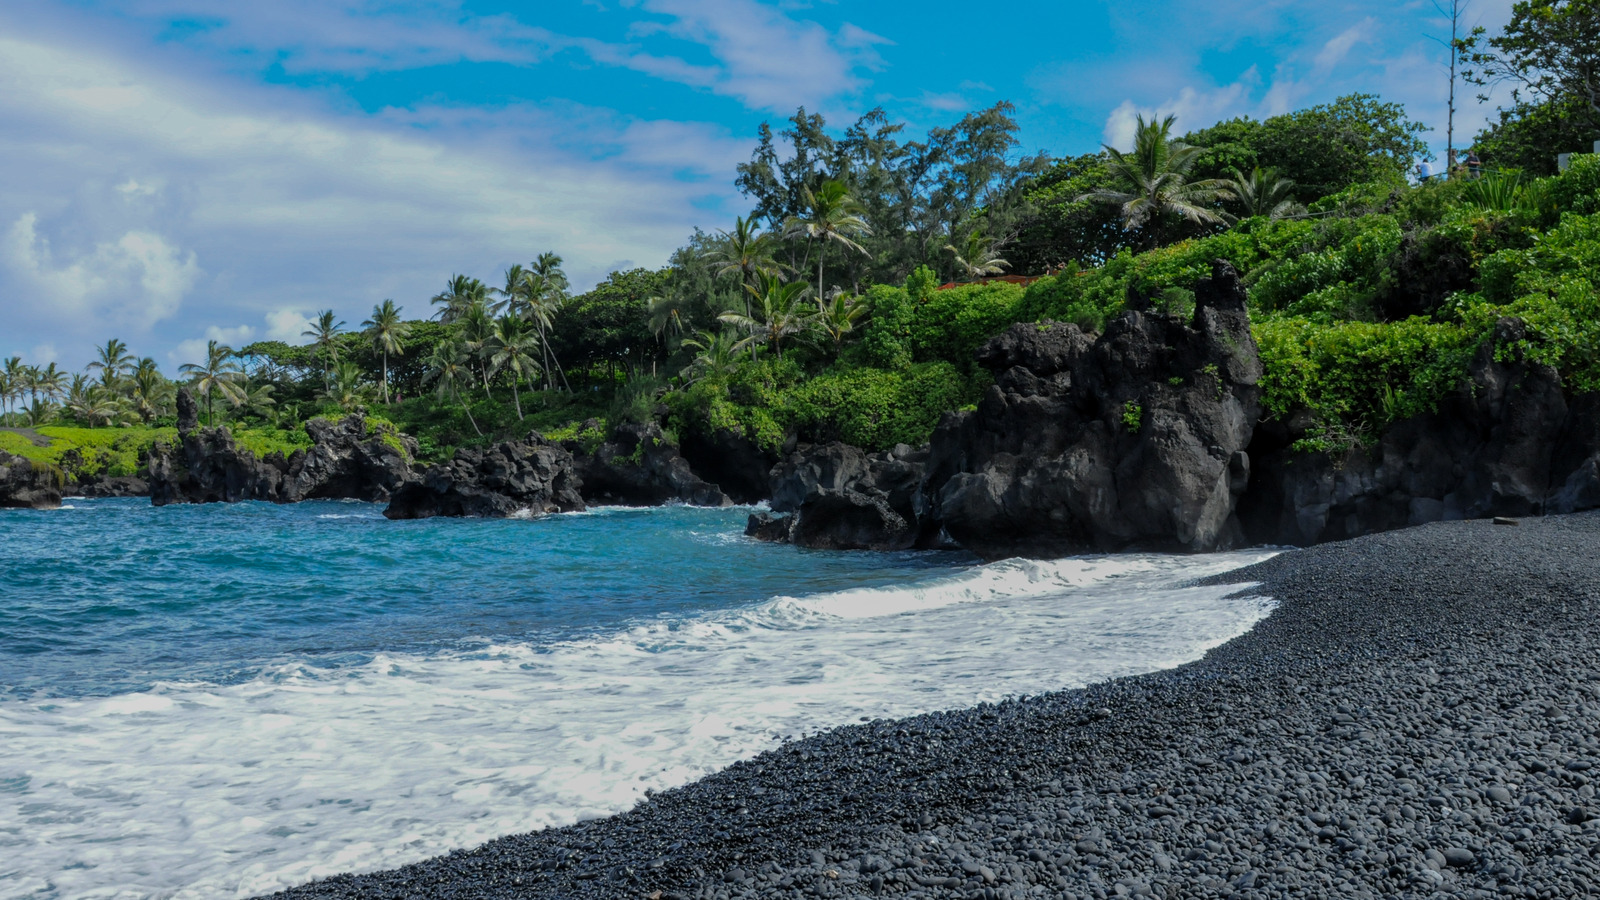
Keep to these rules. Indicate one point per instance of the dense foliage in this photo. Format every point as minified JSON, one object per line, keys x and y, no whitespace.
{"x":850,"y":303}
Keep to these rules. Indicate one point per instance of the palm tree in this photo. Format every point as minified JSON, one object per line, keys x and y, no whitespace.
{"x":1263,"y":193}
{"x":450,"y":367}
{"x":547,"y":301}
{"x":151,"y":392}
{"x":96,"y":406}
{"x":11,"y":384}
{"x":1152,"y":183}
{"x":511,"y":349}
{"x":347,"y":391}
{"x":219,"y":374}
{"x":780,"y":311}
{"x":838,"y":317}
{"x":388,"y":334}
{"x":477,"y":328}
{"x":719,"y":354}
{"x":667,"y":313}
{"x":324,"y":332}
{"x":743,"y":250}
{"x":112,"y":362}
{"x":257,"y":401}
{"x":40,"y":412}
{"x":459,"y":294}
{"x":50,"y":382}
{"x":832,"y":216}
{"x":978,"y":256}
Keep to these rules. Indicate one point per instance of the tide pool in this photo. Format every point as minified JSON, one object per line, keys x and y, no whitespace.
{"x":225,"y":700}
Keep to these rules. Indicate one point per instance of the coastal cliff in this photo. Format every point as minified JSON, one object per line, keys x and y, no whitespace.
{"x":348,"y":459}
{"x":1150,"y":435}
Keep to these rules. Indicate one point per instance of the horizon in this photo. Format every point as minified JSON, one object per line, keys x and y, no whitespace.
{"x":186,"y":171}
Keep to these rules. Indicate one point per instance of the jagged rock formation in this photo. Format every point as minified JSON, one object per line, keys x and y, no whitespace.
{"x":844,"y":499}
{"x":112,"y":486}
{"x":1149,"y":436}
{"x":1133,"y":439}
{"x":24,"y":485}
{"x":347,"y":460}
{"x":522,"y":478}
{"x":731,"y":461}
{"x":637,"y":466}
{"x":1508,"y":444}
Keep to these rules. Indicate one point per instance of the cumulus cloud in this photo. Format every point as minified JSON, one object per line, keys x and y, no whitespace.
{"x":140,"y":198}
{"x":1193,"y":108}
{"x":134,"y":281}
{"x":194,"y":349}
{"x":287,"y":325}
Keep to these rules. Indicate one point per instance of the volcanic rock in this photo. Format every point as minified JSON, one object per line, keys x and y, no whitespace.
{"x":24,"y":485}
{"x":1132,"y":439}
{"x":638,"y":466}
{"x":531,"y":477}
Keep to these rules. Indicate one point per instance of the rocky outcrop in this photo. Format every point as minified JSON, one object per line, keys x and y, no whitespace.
{"x":351,"y":459}
{"x":731,"y":461}
{"x":111,"y":486}
{"x":1507,"y":444}
{"x":25,"y":485}
{"x":521,"y":478}
{"x":638,"y":466}
{"x":1133,"y":439}
{"x":841,"y":498}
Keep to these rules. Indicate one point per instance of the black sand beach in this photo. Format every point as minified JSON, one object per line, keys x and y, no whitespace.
{"x":1419,"y":718}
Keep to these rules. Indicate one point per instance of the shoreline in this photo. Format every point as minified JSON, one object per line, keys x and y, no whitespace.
{"x":1414,"y":718}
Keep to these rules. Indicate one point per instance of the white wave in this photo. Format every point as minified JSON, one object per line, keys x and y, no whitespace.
{"x":202,"y":790}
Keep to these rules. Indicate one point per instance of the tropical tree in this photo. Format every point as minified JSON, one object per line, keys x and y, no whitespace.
{"x":780,"y":311}
{"x":667,"y":314}
{"x":50,"y":382}
{"x":511,"y":348}
{"x":40,"y":412}
{"x":348,"y":389}
{"x":449,"y":368}
{"x":219,"y":374}
{"x":11,"y":378}
{"x":388,"y":333}
{"x":831,"y":216}
{"x":837,"y":317}
{"x":258,"y":401}
{"x":97,"y":406}
{"x":548,"y":295}
{"x":112,"y":362}
{"x":460,"y":293}
{"x":1151,"y":184}
{"x":1263,"y":193}
{"x":718,"y":354}
{"x":744,"y":251}
{"x":476,"y":330}
{"x":1549,"y":52}
{"x":978,"y":256}
{"x":151,"y":392}
{"x":324,"y":332}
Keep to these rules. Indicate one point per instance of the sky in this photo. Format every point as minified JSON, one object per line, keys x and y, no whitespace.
{"x":178,"y":171}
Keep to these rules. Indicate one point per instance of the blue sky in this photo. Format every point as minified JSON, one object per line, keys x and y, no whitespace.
{"x":179,"y":170}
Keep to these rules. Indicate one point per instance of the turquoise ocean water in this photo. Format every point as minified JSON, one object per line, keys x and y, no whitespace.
{"x":223,"y":700}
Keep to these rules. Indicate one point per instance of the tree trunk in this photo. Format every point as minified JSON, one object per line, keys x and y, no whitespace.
{"x":516,"y":398}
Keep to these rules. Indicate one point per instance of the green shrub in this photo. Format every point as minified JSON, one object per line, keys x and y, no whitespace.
{"x":886,"y":340}
{"x":1361,"y":376}
{"x":951,"y":325}
{"x":876,"y":409}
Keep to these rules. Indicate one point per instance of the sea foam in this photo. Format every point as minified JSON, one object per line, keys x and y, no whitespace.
{"x":194,"y":790}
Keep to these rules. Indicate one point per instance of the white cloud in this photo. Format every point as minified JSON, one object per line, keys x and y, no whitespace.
{"x":1193,"y":108}
{"x":194,"y":349}
{"x":133,"y":281}
{"x":291,"y":207}
{"x":286,"y":325}
{"x":767,"y":59}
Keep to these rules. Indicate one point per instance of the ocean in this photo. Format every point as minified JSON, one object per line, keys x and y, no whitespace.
{"x":224,"y":700}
